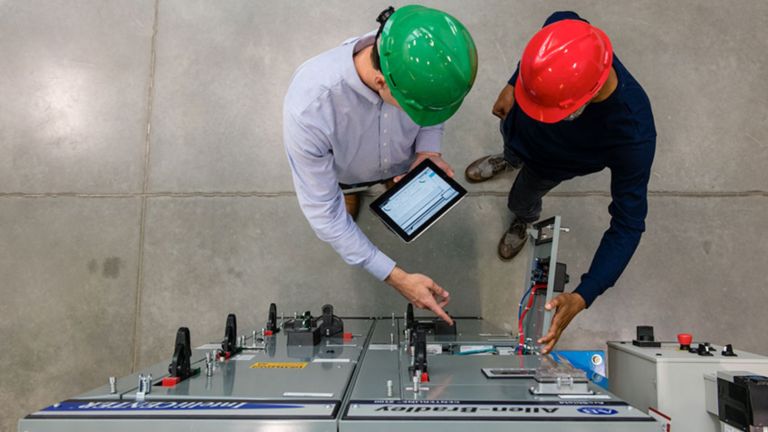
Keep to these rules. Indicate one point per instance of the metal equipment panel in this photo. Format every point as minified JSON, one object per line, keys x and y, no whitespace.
{"x":451,"y":388}
{"x":292,"y":374}
{"x":674,"y":381}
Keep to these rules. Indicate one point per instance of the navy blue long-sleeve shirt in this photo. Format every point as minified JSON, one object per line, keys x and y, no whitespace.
{"x":617,"y":133}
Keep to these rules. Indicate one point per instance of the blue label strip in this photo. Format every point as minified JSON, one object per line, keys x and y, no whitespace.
{"x":102,"y":406}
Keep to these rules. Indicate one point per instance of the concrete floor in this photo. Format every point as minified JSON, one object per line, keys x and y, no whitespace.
{"x":144,"y":185}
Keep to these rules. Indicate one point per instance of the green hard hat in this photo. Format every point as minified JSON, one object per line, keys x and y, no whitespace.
{"x":429,"y":61}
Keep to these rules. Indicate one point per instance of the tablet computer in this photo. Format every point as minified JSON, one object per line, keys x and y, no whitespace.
{"x":418,"y":200}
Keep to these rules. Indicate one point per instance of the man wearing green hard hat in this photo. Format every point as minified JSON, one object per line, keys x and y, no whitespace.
{"x":365,"y":113}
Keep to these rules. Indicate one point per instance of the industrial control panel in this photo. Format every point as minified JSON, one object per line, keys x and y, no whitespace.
{"x":320,"y":371}
{"x":677,"y":382}
{"x":420,"y":374}
{"x":292,"y":373}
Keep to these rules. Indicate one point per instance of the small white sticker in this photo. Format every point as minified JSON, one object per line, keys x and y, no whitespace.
{"x":330,"y":360}
{"x":473,"y":348}
{"x":243,"y":357}
{"x":209,"y":346}
{"x":434,"y":349}
{"x":590,"y":397}
{"x":313,"y":395}
{"x":382,"y":347}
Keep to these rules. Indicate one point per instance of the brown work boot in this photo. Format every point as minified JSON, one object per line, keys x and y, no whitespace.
{"x":486,"y":168}
{"x":513,"y":240}
{"x":352,"y":202}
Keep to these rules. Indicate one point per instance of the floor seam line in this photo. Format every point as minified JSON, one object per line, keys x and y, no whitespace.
{"x":145,"y":184}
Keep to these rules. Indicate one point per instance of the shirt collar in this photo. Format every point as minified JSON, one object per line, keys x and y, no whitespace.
{"x":350,"y":73}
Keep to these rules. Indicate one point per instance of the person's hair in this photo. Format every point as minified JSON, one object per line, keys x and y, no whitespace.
{"x":381,"y":19}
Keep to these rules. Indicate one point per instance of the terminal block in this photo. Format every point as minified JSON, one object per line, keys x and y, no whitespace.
{"x":307,"y":330}
{"x":541,"y":272}
{"x":330,"y":324}
{"x":302,"y":330}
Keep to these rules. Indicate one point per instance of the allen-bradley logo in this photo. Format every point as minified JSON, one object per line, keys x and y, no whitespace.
{"x":467,"y":409}
{"x":598,"y":411}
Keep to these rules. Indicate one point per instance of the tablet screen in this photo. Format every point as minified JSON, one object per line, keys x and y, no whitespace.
{"x":418,"y":200}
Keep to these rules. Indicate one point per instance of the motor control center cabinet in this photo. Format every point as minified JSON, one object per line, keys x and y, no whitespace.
{"x":474,"y":380}
{"x":327,"y":374}
{"x":676,"y":384}
{"x":254,"y":381}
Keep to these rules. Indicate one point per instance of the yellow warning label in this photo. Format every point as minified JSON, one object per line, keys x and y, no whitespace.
{"x":279,"y":365}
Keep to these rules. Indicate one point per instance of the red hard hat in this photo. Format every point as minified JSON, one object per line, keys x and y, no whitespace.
{"x":563,"y":66}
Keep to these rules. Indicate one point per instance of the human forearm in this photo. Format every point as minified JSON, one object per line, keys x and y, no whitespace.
{"x":611,"y":258}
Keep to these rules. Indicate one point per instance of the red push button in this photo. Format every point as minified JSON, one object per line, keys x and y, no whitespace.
{"x":685,"y":340}
{"x":267,"y":332}
{"x":170,"y":381}
{"x":424,"y":377}
{"x":347,"y":336}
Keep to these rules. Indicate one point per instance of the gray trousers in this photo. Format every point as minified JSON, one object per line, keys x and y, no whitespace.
{"x":524,"y":199}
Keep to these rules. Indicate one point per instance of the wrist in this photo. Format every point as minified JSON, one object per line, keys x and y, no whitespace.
{"x":580,"y":299}
{"x":396,"y":276}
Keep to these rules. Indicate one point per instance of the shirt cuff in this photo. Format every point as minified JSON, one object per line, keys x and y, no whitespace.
{"x":380,"y":266}
{"x":429,"y":141}
{"x":588,"y":290}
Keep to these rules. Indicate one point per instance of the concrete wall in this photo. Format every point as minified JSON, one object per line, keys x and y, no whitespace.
{"x":114,"y":233}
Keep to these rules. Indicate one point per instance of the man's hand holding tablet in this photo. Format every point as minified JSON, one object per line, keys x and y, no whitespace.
{"x":437,"y":158}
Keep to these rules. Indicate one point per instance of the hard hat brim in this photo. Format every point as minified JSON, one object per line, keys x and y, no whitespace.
{"x":426,"y":118}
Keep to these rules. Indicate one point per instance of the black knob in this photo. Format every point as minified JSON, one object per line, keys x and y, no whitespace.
{"x":728,"y":351}
{"x":703,"y":349}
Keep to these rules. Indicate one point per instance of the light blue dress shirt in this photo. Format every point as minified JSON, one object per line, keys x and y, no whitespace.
{"x":337,"y":130}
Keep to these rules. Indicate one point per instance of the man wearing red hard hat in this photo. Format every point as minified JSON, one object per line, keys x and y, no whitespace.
{"x":573,"y":109}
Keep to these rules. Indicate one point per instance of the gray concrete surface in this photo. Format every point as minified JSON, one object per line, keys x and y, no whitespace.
{"x":144,"y":185}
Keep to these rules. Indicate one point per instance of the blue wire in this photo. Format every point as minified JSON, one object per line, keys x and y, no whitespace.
{"x":522,"y":300}
{"x":520,"y":310}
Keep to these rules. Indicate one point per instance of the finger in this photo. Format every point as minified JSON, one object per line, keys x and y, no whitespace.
{"x":548,"y":348}
{"x":554,"y":329}
{"x":438,"y":290}
{"x":554,"y":303}
{"x":434,"y":307}
{"x":446,"y":296}
{"x":444,"y":300}
{"x":398,"y":178}
{"x":548,"y":337}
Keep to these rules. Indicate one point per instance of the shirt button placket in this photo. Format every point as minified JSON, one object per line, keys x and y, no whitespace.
{"x":384,"y":143}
